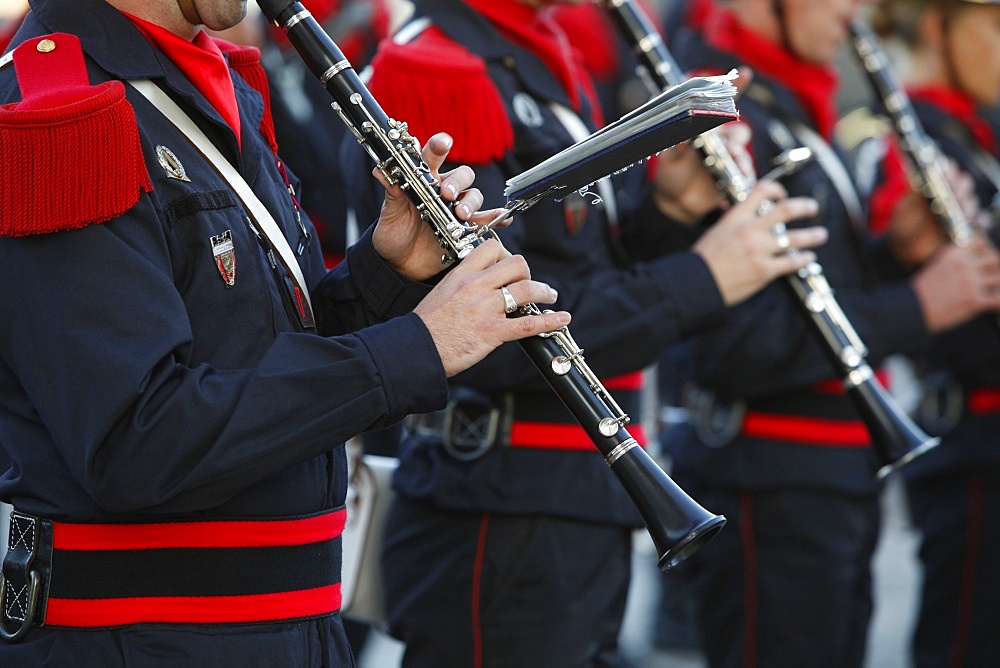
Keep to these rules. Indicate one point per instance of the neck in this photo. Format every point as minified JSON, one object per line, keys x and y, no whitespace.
{"x":758,"y":16}
{"x":926,"y":68}
{"x":164,"y":13}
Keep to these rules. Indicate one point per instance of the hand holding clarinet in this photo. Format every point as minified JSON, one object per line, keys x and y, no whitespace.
{"x":466,"y":312}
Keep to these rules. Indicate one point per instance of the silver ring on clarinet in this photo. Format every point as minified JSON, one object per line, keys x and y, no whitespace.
{"x":509,"y":303}
{"x":780,"y":233}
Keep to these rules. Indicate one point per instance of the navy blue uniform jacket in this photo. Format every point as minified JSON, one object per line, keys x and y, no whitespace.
{"x":135,"y":386}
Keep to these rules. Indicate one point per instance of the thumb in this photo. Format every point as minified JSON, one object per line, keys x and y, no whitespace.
{"x":743,"y":80}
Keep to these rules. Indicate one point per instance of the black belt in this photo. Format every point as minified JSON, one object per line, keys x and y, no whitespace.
{"x":469,"y":425}
{"x":73,"y":575}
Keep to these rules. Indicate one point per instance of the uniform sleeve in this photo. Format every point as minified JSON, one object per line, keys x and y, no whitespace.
{"x":768,"y":344}
{"x":623,"y":316}
{"x":363,"y":291}
{"x":146,"y":415}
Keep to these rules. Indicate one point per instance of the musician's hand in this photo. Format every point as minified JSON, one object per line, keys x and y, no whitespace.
{"x":684,"y":190}
{"x":915,"y":234}
{"x":958,"y":283}
{"x":465,"y":311}
{"x":408,"y":243}
{"x":742,"y":251}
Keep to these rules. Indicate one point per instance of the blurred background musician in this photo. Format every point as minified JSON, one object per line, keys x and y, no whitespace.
{"x":948,"y":52}
{"x":773,"y":442}
{"x":510,"y":541}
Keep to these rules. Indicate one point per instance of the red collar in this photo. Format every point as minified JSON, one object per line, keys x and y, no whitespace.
{"x":202,"y":63}
{"x":535,"y":30}
{"x":961,"y":107}
{"x":815,"y":86}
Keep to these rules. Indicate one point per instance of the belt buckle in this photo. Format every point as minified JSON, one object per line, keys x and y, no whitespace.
{"x":469,"y":434}
{"x":20,"y":604}
{"x":716,"y":422}
{"x":942,"y":403}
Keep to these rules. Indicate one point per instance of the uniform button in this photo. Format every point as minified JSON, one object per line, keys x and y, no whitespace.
{"x":509,"y":62}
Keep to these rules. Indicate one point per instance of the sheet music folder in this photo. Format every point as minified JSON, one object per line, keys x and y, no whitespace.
{"x":677,"y":114}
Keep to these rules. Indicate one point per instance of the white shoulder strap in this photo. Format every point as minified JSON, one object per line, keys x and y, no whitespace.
{"x":578,"y":131}
{"x":254,"y":206}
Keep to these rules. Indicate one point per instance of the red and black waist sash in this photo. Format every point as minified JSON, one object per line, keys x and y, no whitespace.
{"x":981,"y":401}
{"x":835,"y":424}
{"x":536,"y":424}
{"x":475,"y":422}
{"x":199,"y":572}
{"x":821,"y":415}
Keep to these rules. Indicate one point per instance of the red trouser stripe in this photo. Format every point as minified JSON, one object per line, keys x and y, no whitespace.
{"x":813,"y":431}
{"x":970,"y":566}
{"x":551,"y":436}
{"x":211,"y":534}
{"x":749,"y":542}
{"x":477,"y":586}
{"x":193,"y":609}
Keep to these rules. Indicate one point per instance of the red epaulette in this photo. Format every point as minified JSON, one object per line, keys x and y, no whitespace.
{"x":447,"y":89}
{"x":245,"y":61}
{"x":71,"y":151}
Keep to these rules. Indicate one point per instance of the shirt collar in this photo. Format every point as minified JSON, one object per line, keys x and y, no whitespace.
{"x":815,"y":86}
{"x":110,"y":39}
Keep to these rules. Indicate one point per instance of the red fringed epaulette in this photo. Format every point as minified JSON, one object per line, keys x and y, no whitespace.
{"x":436,"y":85}
{"x":71,"y":151}
{"x":245,"y":61}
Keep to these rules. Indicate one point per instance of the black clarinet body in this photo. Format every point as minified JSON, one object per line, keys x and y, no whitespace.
{"x":926,"y":173}
{"x":676,"y":523}
{"x":896,"y":439}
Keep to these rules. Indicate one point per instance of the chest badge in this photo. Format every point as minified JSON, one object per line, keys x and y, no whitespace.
{"x":225,"y":256}
{"x":171,"y":164}
{"x":575,"y":207}
{"x":527,"y":110}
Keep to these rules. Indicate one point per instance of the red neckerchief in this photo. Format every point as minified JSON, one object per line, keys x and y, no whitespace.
{"x":962,"y":108}
{"x":202,"y":63}
{"x":814,"y":85}
{"x":591,"y":35}
{"x":697,"y":13}
{"x":536,"y":31}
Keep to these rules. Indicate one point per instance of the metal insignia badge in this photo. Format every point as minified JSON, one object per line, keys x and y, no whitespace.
{"x":171,"y":164}
{"x":225,"y":256}
{"x":527,"y":110}
{"x":575,"y":208}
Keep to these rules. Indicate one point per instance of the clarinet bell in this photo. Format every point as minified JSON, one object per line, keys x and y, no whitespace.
{"x":896,"y":439}
{"x":678,"y":525}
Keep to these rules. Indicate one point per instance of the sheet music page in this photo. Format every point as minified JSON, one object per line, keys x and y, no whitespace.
{"x":675,"y":115}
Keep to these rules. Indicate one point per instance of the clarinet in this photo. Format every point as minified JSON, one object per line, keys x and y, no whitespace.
{"x":927,"y":174}
{"x":896,"y":439}
{"x":676,"y":523}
